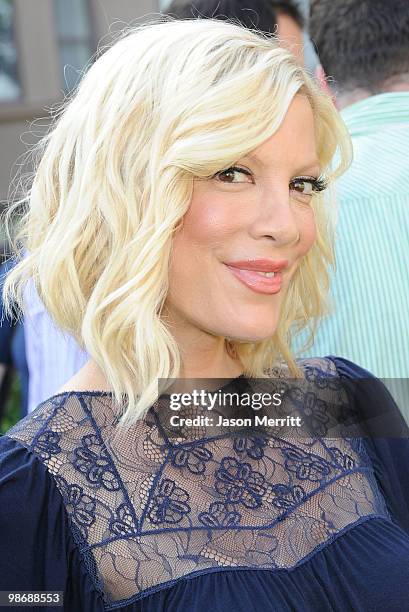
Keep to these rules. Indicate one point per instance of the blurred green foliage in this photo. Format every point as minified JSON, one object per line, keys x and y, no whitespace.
{"x":12,"y":412}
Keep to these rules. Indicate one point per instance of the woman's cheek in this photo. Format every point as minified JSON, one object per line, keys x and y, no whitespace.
{"x":308,"y":232}
{"x":209,"y":223}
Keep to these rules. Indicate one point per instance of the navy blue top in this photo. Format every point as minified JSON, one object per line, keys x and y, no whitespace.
{"x":230,"y":522}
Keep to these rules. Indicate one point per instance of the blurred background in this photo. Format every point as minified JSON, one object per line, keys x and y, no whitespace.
{"x":45,"y":47}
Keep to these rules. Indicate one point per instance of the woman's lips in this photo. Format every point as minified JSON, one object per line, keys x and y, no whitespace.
{"x":257,"y":281}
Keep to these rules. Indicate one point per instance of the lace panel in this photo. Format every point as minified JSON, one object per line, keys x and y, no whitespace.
{"x":146,"y":510}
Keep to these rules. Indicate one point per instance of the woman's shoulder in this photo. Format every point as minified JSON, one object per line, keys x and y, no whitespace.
{"x":73,"y":435}
{"x":61,"y":423}
{"x":331,"y":365}
{"x":334,"y":365}
{"x":30,"y":429}
{"x":382,"y":402}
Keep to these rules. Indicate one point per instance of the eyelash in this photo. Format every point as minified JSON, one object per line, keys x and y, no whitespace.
{"x":318,"y":184}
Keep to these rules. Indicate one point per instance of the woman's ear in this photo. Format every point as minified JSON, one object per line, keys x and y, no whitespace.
{"x":321,"y":77}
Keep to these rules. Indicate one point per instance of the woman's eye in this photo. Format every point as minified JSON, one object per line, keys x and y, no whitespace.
{"x":307,"y":186}
{"x":234,"y":175}
{"x":301,"y":186}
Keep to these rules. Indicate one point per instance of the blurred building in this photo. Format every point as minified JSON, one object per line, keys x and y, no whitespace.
{"x":44,"y":47}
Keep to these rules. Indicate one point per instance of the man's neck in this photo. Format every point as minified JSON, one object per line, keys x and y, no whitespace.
{"x":347,"y":98}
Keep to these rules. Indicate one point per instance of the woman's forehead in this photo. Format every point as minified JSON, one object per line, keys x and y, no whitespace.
{"x":296,"y":135}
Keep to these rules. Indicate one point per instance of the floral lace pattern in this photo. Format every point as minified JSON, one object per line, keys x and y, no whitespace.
{"x":146,"y":509}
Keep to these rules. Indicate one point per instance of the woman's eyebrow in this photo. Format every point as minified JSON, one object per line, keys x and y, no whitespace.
{"x":314,"y":164}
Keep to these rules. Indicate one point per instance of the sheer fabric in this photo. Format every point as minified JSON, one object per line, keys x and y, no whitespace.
{"x":146,"y":510}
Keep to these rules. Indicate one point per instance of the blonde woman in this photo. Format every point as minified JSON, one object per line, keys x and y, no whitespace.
{"x":177,"y":226}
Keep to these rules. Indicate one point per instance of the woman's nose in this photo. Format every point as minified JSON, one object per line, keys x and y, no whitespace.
{"x":276,"y":219}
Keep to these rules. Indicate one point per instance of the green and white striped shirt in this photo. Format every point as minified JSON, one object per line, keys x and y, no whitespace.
{"x":370,"y":289}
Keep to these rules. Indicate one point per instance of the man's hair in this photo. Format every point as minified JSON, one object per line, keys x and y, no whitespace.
{"x":258,"y":14}
{"x":290,"y":8}
{"x":361,"y":43}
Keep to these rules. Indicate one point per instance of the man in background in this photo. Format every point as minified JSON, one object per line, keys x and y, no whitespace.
{"x":364,"y":50}
{"x":53,"y":357}
{"x":281,"y":17}
{"x":290,"y":26}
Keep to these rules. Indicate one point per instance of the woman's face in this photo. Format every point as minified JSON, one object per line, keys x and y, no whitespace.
{"x":248,"y":220}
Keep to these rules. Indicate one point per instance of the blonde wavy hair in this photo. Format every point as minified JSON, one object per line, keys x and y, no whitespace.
{"x":168,"y":102}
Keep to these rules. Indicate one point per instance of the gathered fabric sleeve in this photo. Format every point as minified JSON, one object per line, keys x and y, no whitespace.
{"x":389,"y":454}
{"x":38,"y":552}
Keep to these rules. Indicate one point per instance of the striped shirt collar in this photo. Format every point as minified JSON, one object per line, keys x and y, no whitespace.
{"x":375,"y":112}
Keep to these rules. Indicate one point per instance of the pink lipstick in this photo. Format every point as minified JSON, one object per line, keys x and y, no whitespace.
{"x":260,"y":275}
